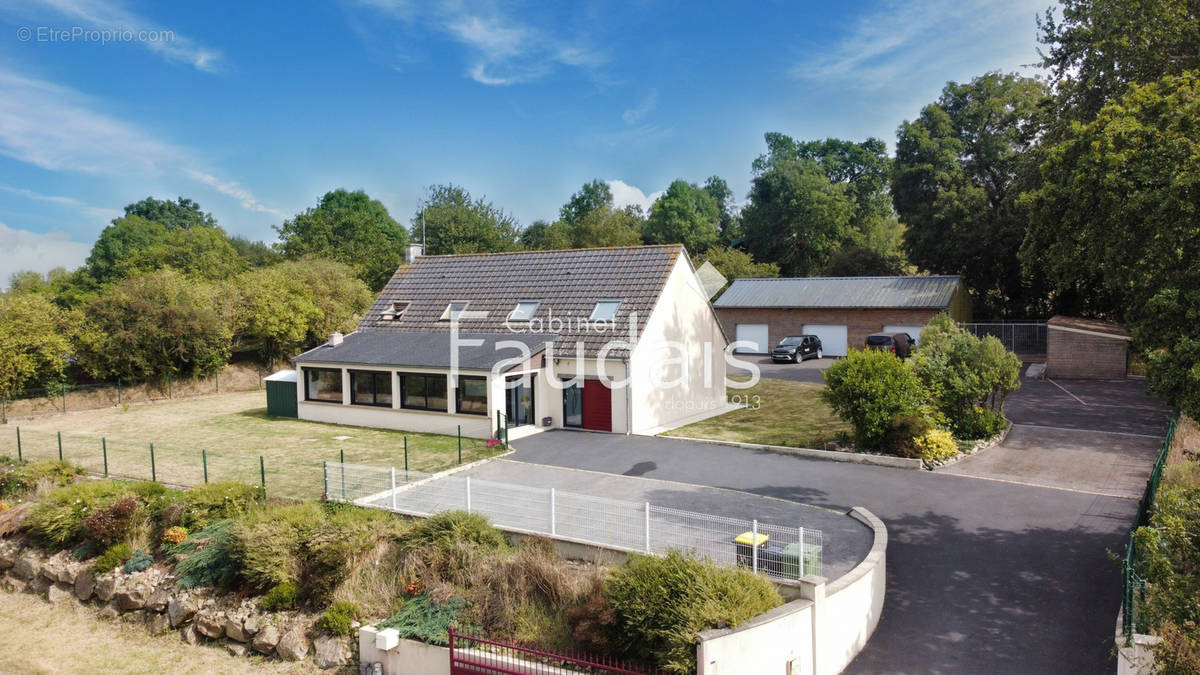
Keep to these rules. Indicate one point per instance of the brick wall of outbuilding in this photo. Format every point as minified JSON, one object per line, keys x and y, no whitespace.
{"x":860,"y":323}
{"x":1070,"y":354}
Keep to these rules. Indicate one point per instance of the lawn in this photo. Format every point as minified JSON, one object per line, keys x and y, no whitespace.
{"x":778,"y":412}
{"x":40,"y":638}
{"x":233,"y":430}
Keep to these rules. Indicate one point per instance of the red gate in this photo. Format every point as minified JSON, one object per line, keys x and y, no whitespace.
{"x":477,"y":655}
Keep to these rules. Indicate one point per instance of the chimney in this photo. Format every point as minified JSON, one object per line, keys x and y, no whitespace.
{"x":335,"y":339}
{"x":412,"y":252}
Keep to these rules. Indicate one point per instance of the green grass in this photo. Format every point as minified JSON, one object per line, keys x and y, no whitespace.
{"x":234,"y":430}
{"x":779,"y":412}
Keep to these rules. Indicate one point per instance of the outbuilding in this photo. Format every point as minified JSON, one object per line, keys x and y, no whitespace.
{"x":281,"y":393}
{"x":842,"y":311}
{"x":1085,"y":349}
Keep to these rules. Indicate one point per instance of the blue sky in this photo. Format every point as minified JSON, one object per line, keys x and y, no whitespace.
{"x":256,"y":109}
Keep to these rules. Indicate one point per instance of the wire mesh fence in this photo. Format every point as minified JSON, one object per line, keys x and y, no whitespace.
{"x":1019,"y":338}
{"x":779,"y":551}
{"x":73,"y":397}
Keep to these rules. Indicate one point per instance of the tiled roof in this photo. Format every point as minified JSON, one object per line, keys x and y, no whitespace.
{"x":842,"y":292}
{"x":568,"y":283}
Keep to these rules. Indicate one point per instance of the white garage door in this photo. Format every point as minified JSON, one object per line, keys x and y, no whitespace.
{"x":752,"y":332}
{"x":914,"y":331}
{"x":833,"y":338}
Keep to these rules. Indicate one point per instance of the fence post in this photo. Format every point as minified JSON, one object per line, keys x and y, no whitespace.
{"x":342,"y":454}
{"x":153,"y":470}
{"x":468,"y":494}
{"x":406,"y":458}
{"x":803,"y":553}
{"x":262,"y":475}
{"x":64,"y":397}
{"x":217,"y":378}
{"x":460,"y":444}
{"x":60,"y":446}
{"x":393,"y":488}
{"x":553,"y":515}
{"x":325,"y":477}
{"x":3,"y":410}
{"x":754,"y":546}
{"x":19,"y":458}
{"x":118,"y":391}
{"x":104,"y":451}
{"x":647,"y":528}
{"x":204,"y":460}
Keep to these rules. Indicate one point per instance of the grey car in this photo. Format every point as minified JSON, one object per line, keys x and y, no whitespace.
{"x":797,"y":348}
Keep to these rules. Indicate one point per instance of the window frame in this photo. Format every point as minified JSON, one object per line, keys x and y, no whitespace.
{"x":537,"y":304}
{"x":375,"y":375}
{"x":514,"y":391}
{"x":425,"y":377}
{"x":449,"y":315}
{"x":458,"y":395}
{"x":596,"y":308}
{"x":341,"y":389}
{"x":398,"y":309}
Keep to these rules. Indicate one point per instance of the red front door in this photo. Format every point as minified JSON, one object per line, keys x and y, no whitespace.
{"x":597,"y":406}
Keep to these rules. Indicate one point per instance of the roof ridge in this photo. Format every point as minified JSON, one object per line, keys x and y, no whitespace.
{"x":897,"y":276}
{"x":482,"y":254}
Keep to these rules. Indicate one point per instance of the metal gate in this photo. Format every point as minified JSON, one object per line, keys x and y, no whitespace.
{"x":478,"y":655}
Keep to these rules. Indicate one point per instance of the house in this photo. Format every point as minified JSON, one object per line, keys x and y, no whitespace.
{"x":1085,"y":349}
{"x":842,"y":311}
{"x":610,"y":339}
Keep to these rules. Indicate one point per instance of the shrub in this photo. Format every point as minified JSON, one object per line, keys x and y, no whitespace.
{"x":900,"y":439}
{"x":57,"y":519}
{"x":449,"y":528}
{"x":175,"y":535}
{"x":935,"y":445}
{"x":661,"y":603}
{"x":268,"y":544}
{"x":204,"y":557}
{"x":217,"y":501}
{"x":346,"y":534}
{"x":113,"y":557}
{"x":4,"y":506}
{"x":967,"y":377}
{"x":593,"y":624}
{"x":339,"y":619}
{"x":114,"y":522}
{"x":139,"y":561}
{"x":426,"y":620}
{"x":869,"y":389}
{"x":20,"y":480}
{"x":281,"y":597}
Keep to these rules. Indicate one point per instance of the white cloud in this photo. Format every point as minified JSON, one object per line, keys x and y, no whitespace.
{"x":112,"y":16}
{"x":906,"y":42}
{"x":644,"y":107}
{"x":55,"y":128}
{"x":25,"y":250}
{"x":98,"y":211}
{"x":625,"y":194}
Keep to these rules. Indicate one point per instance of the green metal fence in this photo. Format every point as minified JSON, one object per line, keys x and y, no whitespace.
{"x":1134,"y":586}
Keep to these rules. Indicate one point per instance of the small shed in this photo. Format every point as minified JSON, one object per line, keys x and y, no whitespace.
{"x":1085,"y":349}
{"x":281,"y":393}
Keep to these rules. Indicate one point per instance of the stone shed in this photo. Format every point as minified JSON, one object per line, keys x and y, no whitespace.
{"x":1085,"y":349}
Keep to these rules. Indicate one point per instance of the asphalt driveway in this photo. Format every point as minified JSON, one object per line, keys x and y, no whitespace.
{"x":805,"y":371}
{"x":984,"y":575}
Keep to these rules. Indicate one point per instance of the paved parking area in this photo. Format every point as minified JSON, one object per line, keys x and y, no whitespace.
{"x":805,"y":371}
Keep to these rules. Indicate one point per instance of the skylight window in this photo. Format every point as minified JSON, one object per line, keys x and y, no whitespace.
{"x":605,"y":310}
{"x":525,"y":310}
{"x":454,"y":310}
{"x":396,"y":311}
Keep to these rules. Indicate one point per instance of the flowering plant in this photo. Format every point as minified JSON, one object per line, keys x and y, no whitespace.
{"x":175,"y":535}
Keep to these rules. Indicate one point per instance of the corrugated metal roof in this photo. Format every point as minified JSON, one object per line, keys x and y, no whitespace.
{"x":842,"y":292}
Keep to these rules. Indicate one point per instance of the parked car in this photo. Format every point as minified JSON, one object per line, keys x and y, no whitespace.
{"x":900,"y":344}
{"x":797,"y":348}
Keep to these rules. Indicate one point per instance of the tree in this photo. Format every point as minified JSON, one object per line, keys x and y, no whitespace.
{"x":685,"y":214}
{"x":180,"y":214}
{"x":348,"y":227}
{"x":29,"y":281}
{"x":862,"y":261}
{"x":454,"y":222}
{"x":1118,"y":206}
{"x":133,"y":245}
{"x":593,"y":196}
{"x":255,"y":253}
{"x":730,"y":226}
{"x":1099,"y":47}
{"x":796,"y":217}
{"x":156,"y":324}
{"x":960,"y":170}
{"x":735,"y":264}
{"x":607,"y":226}
{"x":35,"y":341}
{"x":870,"y":389}
{"x":543,"y":236}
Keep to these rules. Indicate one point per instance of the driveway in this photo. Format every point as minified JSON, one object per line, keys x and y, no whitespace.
{"x":984,"y":575}
{"x":805,"y":371}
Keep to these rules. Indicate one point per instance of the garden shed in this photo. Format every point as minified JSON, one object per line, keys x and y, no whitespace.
{"x":281,"y":393}
{"x":1085,"y":349}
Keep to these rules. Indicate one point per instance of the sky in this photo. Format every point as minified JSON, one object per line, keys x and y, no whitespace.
{"x":256,"y":109}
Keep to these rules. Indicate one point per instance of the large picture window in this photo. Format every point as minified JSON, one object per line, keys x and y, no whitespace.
{"x":370,"y":387}
{"x":323,"y":384}
{"x":423,"y":392}
{"x":472,"y":395}
{"x":518,"y":399}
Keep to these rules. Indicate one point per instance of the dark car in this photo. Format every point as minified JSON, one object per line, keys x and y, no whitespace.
{"x":900,"y":344}
{"x":797,"y":348}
